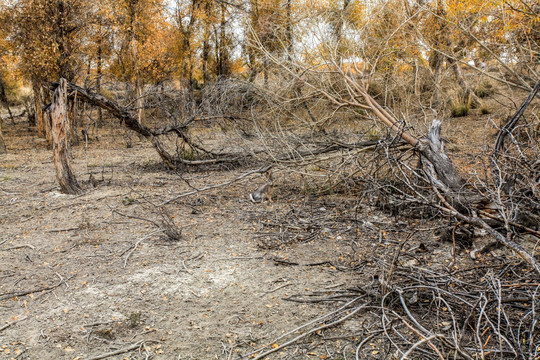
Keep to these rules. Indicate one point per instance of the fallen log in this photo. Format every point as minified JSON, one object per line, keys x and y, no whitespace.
{"x":124,"y":116}
{"x":173,"y":162}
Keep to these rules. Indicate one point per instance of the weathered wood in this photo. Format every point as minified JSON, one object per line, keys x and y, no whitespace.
{"x":60,"y":139}
{"x":500,"y":238}
{"x":132,"y":123}
{"x":433,"y":149}
{"x":458,"y":199}
{"x":511,"y":124}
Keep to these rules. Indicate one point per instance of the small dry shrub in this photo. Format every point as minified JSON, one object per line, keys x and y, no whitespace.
{"x":484,"y":109}
{"x":460,"y":104}
{"x":484,"y":89}
{"x":459,"y":109}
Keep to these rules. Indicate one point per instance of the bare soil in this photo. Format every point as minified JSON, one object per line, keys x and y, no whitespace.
{"x":78,"y":279}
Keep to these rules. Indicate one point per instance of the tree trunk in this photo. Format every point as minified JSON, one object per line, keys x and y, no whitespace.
{"x":4,"y":99}
{"x":47,"y":124}
{"x":206,"y":43}
{"x":338,"y":29}
{"x":436,"y":62}
{"x":223,"y":56}
{"x":60,"y":136}
{"x":40,"y":125}
{"x":73,"y":116}
{"x":139,"y":90}
{"x":288,"y":30}
{"x":62,"y":61}
{"x":469,"y":95}
{"x":2,"y":143}
{"x":98,"y":80}
{"x":205,"y":56}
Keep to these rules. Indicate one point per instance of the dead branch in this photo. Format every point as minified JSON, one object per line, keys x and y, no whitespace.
{"x":118,"y":352}
{"x":512,"y":122}
{"x":444,"y":177}
{"x":480,"y":223}
{"x":12,"y":323}
{"x":133,"y":247}
{"x":210,"y":187}
{"x":315,"y":330}
{"x":124,"y":116}
{"x":27,"y":292}
{"x":113,"y":108}
{"x":315,"y":321}
{"x":164,"y":223}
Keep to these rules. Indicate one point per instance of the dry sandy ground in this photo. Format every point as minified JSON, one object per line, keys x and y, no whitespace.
{"x":91,"y":276}
{"x":79,"y":280}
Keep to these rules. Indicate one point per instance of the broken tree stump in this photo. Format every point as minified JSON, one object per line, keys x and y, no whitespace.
{"x":60,"y":139}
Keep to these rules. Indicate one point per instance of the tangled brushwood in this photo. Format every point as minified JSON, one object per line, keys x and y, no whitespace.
{"x":470,"y":313}
{"x":485,"y":312}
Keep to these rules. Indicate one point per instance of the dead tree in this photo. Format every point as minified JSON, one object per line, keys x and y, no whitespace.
{"x":456,"y":197}
{"x":450,"y":192}
{"x":131,"y":122}
{"x":60,"y":139}
{"x":181,"y":130}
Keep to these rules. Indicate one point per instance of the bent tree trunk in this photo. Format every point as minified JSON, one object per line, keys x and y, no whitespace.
{"x":132,"y":123}
{"x":60,"y":132}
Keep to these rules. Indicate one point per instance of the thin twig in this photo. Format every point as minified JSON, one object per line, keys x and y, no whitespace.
{"x":417,"y":344}
{"x":12,"y":323}
{"x":276,"y":289}
{"x":20,"y":247}
{"x":357,"y":351}
{"x":134,"y":247}
{"x":319,"y":319}
{"x":301,"y":336}
{"x":24,"y":293}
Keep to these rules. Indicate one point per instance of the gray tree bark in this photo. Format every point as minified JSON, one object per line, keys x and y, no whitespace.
{"x":60,"y":139}
{"x":2,"y":143}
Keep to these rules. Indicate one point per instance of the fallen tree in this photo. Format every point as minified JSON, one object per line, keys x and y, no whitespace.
{"x":450,"y":192}
{"x":181,"y":129}
{"x":123,"y":115}
{"x":434,"y":180}
{"x":457,"y":197}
